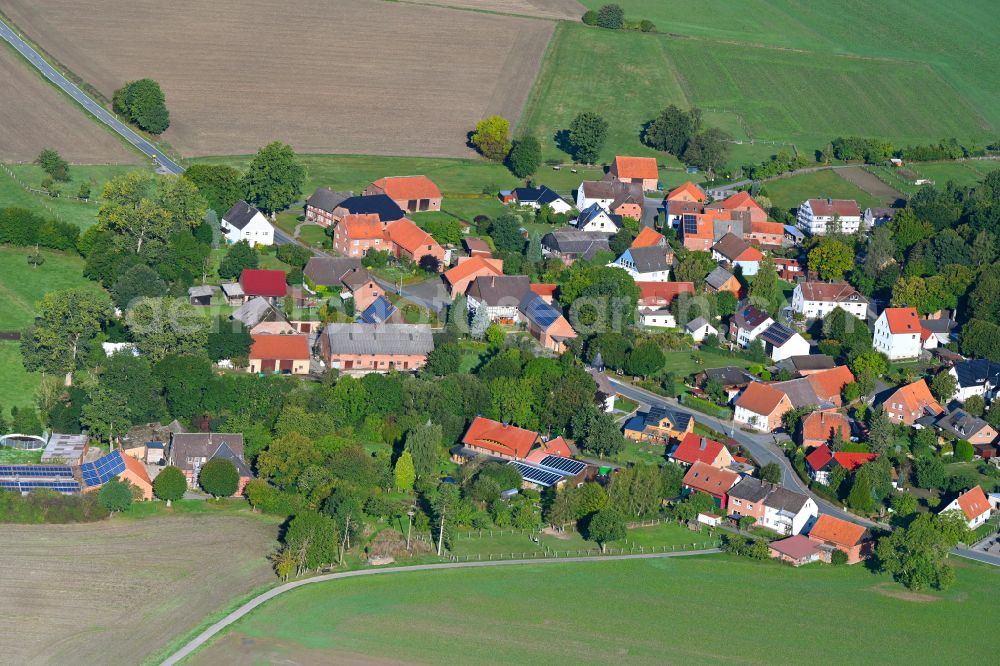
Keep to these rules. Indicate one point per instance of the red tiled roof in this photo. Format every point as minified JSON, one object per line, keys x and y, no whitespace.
{"x":828,"y":384}
{"x":772,"y":228}
{"x":760,"y":398}
{"x":557,"y":447}
{"x":973,"y":503}
{"x":695,"y":448}
{"x":829,"y":292}
{"x":544,"y":288}
{"x":363,"y":227}
{"x":820,"y":457}
{"x":915,"y":397}
{"x":260,"y":282}
{"x":408,"y":187}
{"x":280,"y":347}
{"x":136,"y":468}
{"x":710,"y":479}
{"x":902,"y":320}
{"x":473,"y":266}
{"x":662,"y":293}
{"x":689,"y":188}
{"x":407,"y":235}
{"x":742,"y":200}
{"x":851,"y":461}
{"x":822,"y":425}
{"x":648,"y":237}
{"x":494,"y":436}
{"x":636,"y":167}
{"x":836,"y":531}
{"x":828,"y":207}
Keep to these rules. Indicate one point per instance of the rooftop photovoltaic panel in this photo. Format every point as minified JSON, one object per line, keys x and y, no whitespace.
{"x":566,"y":466}
{"x":690,"y":224}
{"x":777,"y":334}
{"x":25,"y":471}
{"x":103,"y":469}
{"x":537,"y":475}
{"x":541,"y":312}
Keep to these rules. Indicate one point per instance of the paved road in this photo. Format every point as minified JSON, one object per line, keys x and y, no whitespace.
{"x":86,"y":102}
{"x":206,"y":635}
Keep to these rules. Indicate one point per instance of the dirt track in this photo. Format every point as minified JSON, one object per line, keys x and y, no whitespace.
{"x":34,"y":115}
{"x":870,"y":184}
{"x":351,"y":76}
{"x":558,"y":9}
{"x":118,"y":591}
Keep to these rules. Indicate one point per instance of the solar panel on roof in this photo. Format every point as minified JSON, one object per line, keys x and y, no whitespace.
{"x":103,"y":469}
{"x":536,"y":475}
{"x":566,"y":466}
{"x":777,"y":334}
{"x":690,"y":224}
{"x":541,"y":312}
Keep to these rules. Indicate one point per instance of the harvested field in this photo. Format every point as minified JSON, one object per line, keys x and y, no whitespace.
{"x":34,"y":115}
{"x":350,"y":76}
{"x":116,"y":591}
{"x":557,"y":9}
{"x":870,"y":184}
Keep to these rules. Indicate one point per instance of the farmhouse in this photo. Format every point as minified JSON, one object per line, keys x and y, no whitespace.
{"x":537,"y":197}
{"x":659,"y":425}
{"x":698,"y":231}
{"x":364,"y":348}
{"x":699,"y":329}
{"x":622,"y":199}
{"x":898,"y":333}
{"x":501,"y":295}
{"x":973,"y":506}
{"x":343,"y":275}
{"x":820,"y":428}
{"x":355,"y":235}
{"x":411,"y":193}
{"x":321,"y":206}
{"x":841,"y":535}
{"x":596,"y":218}
{"x":190,"y":452}
{"x":468,"y":269}
{"x":815,"y":300}
{"x":761,"y":407}
{"x":765,"y":234}
{"x":688,"y":192}
{"x":646,"y":264}
{"x":496,"y":440}
{"x":375,"y":204}
{"x":409,"y":240}
{"x":641,"y":170}
{"x":744,"y":205}
{"x":284,"y":354}
{"x":817,"y":216}
{"x":703,"y":478}
{"x":244,"y":222}
{"x":722,"y":280}
{"x":775,"y":507}
{"x":695,"y":448}
{"x":569,"y":244}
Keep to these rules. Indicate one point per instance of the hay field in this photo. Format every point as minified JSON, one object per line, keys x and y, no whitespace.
{"x":349,"y":76}
{"x":34,"y":115}
{"x":116,"y":591}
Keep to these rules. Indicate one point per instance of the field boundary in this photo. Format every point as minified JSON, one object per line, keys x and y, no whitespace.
{"x":203,"y":638}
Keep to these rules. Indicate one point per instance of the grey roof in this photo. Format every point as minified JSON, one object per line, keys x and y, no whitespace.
{"x":939,"y":326}
{"x":659,"y":412}
{"x":594,"y":211}
{"x":801,"y":393}
{"x":808,"y":362}
{"x":604,"y":384}
{"x":572,"y":241}
{"x":254,"y":311}
{"x":977,"y":372}
{"x":200,"y":291}
{"x":392,"y":339}
{"x":731,"y":246}
{"x":777,"y":497}
{"x":652,"y":258}
{"x":730,"y":375}
{"x":202,"y":445}
{"x":960,"y":423}
{"x":540,"y":195}
{"x":499,"y":290}
{"x":232,"y":289}
{"x":878,"y":213}
{"x":723,"y":228}
{"x":794,"y":232}
{"x":748,"y":317}
{"x":718,"y":277}
{"x":226,"y":452}
{"x":777,"y":334}
{"x":327,"y":200}
{"x":378,"y":204}
{"x":330,"y":271}
{"x":615,"y":190}
{"x":240,"y":214}
{"x":696,"y":323}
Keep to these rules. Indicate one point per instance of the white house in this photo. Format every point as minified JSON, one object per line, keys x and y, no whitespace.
{"x":973,"y":505}
{"x":747,"y":324}
{"x":775,"y":507}
{"x":699,"y":329}
{"x":876,"y":216}
{"x":646,"y":264}
{"x":657,"y":318}
{"x":536,"y":197}
{"x":817,"y":215}
{"x":897,"y":333}
{"x":781,"y":342}
{"x":596,"y":218}
{"x":815,"y":300}
{"x":737,"y":252}
{"x":976,"y":376}
{"x":245,"y":222}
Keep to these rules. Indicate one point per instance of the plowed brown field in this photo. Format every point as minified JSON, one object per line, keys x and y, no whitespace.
{"x":118,"y":591}
{"x":34,"y":115}
{"x":348,"y":76}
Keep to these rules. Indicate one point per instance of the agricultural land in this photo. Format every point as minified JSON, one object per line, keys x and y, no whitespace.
{"x":116,"y":592}
{"x":343,"y":76}
{"x":652,"y":611}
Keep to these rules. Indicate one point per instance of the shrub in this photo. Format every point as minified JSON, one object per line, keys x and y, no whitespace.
{"x":590,"y":18}
{"x":53,"y":164}
{"x":645,"y":25}
{"x":838,"y":557}
{"x":143,"y":103}
{"x":170,"y":484}
{"x":611,"y":17}
{"x":219,"y":478}
{"x":115,"y":495}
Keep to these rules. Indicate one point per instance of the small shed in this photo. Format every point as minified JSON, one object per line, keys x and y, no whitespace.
{"x":233,"y":292}
{"x":201,"y":294}
{"x":709,"y":519}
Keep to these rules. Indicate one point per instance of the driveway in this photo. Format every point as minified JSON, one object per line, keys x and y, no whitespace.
{"x":651,"y":207}
{"x":430,"y":293}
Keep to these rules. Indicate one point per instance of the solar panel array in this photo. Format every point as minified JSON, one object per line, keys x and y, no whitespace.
{"x":777,"y":334}
{"x":540,"y":312}
{"x":690,"y":224}
{"x":103,"y":469}
{"x":25,"y":478}
{"x":566,"y":466}
{"x":537,"y":475}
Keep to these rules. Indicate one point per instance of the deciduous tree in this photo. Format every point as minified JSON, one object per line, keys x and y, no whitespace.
{"x":586,"y":136}
{"x":170,"y":484}
{"x":274,"y":177}
{"x":491,"y":138}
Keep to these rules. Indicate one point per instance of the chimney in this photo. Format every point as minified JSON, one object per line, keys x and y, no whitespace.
{"x":829,"y":201}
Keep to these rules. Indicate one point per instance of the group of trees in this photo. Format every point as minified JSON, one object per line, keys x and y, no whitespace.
{"x":491,"y":138}
{"x":144,"y":104}
{"x":680,"y":133}
{"x":272,"y":181}
{"x":612,"y":17}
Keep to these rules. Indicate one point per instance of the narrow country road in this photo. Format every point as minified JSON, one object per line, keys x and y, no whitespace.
{"x":262,"y":598}
{"x":95,"y":109}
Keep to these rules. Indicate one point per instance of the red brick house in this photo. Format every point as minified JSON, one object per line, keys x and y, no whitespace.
{"x":908,"y":403}
{"x":744,"y":205}
{"x":411,"y":193}
{"x":354,"y":235}
{"x":287,"y":354}
{"x":641,"y":170}
{"x":409,"y":240}
{"x":468,"y":269}
{"x":498,"y":440}
{"x":841,"y":535}
{"x":769,"y":234}
{"x":361,"y":348}
{"x":703,"y":478}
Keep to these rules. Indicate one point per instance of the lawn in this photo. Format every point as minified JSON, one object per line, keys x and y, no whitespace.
{"x":82,"y":214}
{"x":647,"y":611}
{"x":22,"y":285}
{"x":10,"y":456}
{"x":790,"y":192}
{"x":966,"y":173}
{"x":684,"y":363}
{"x":17,"y":385}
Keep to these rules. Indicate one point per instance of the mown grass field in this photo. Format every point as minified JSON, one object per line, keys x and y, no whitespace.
{"x":652,"y":611}
{"x":22,"y":285}
{"x":970,"y":172}
{"x":790,"y":192}
{"x":795,"y":72}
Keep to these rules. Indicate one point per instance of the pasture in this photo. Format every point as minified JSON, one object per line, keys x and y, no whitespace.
{"x":649,"y":611}
{"x":117,"y":591}
{"x":17,"y":385}
{"x":34,"y":115}
{"x":65,"y":208}
{"x":22,"y":285}
{"x":361,"y":76}
{"x":792,"y":191}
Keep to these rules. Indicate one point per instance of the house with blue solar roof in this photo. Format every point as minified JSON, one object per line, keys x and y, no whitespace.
{"x":545,"y":322}
{"x":379,"y":312}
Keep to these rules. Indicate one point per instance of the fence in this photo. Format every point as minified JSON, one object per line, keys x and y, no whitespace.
{"x":549,"y":553}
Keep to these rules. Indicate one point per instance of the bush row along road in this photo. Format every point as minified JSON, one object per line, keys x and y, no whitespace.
{"x":95,"y":109}
{"x":764,"y":450}
{"x":240,"y":612}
